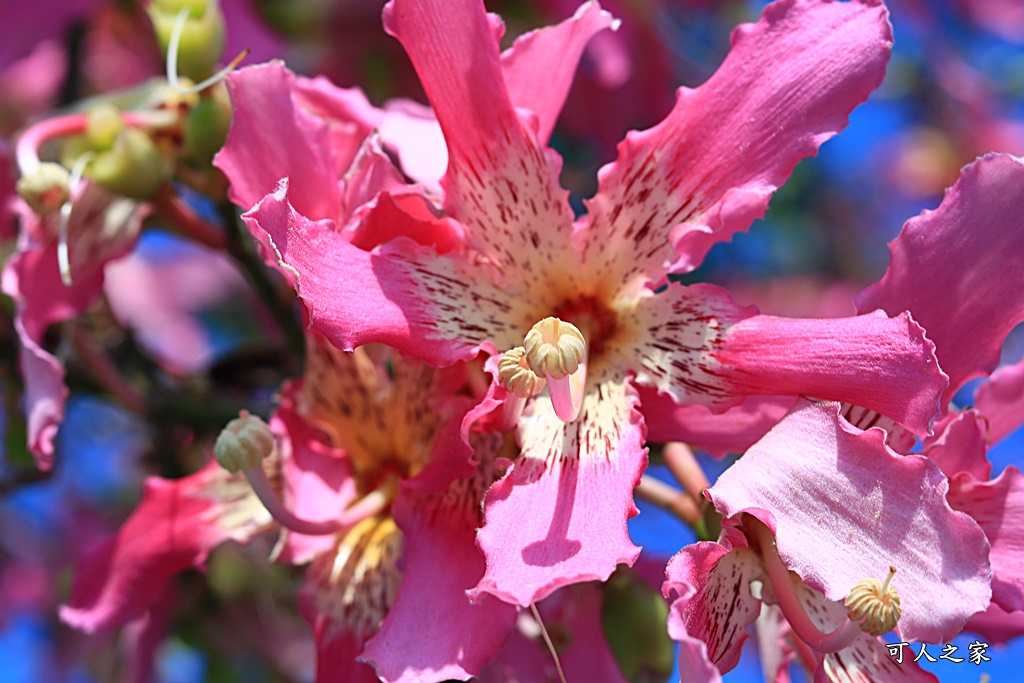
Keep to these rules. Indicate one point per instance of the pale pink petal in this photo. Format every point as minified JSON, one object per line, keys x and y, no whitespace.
{"x":411,"y":130}
{"x":732,"y":431}
{"x":998,"y":506}
{"x":708,"y":170}
{"x":996,"y":625}
{"x":401,"y":294}
{"x":576,"y":610}
{"x":559,"y":515}
{"x":272,"y":138}
{"x":501,"y":184}
{"x":712,"y":606}
{"x":845,"y":508}
{"x":1001,"y":401}
{"x":442,"y":563}
{"x":175,"y":526}
{"x":697,"y":345}
{"x":961,"y":447}
{"x":540,"y":66}
{"x":969,"y":249}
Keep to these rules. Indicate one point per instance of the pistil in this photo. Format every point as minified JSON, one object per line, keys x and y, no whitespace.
{"x":247,"y":441}
{"x":867,"y":609}
{"x":557,"y":351}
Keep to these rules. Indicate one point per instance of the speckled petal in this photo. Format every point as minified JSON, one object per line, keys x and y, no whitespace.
{"x":559,"y":515}
{"x":709,"y":168}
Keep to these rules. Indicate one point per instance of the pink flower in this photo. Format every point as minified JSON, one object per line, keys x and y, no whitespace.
{"x":357,"y":427}
{"x":525,"y":266}
{"x":836,"y":506}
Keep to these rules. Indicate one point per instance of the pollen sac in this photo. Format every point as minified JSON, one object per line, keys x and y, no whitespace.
{"x":555,"y":348}
{"x":243,"y":443}
{"x":45,"y":188}
{"x":876,"y":605}
{"x":516,"y":376}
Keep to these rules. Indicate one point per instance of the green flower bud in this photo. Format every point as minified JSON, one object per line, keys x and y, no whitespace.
{"x":633,"y":617}
{"x":202,"y":39}
{"x":206,"y":127}
{"x":102,"y":125}
{"x":244,"y":443}
{"x":132,"y":167}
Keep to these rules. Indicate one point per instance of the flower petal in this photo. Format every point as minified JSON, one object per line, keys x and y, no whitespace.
{"x":998,"y":506}
{"x":442,"y":563}
{"x":45,"y":395}
{"x":1001,"y":401}
{"x":713,"y":606}
{"x":732,"y":431}
{"x":559,"y":515}
{"x":402,"y":295}
{"x":697,"y":345}
{"x":996,"y":625}
{"x":970,"y":250}
{"x":961,"y":447}
{"x":272,"y":138}
{"x":710,"y":167}
{"x":501,"y":184}
{"x":175,"y":526}
{"x":846,"y":508}
{"x":550,"y":56}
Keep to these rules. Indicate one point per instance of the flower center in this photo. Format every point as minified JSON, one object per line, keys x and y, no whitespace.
{"x":876,"y":605}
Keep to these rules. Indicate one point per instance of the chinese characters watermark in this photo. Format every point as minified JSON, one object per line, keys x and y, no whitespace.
{"x":975,"y":652}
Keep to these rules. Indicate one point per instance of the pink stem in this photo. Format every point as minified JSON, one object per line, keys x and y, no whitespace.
{"x":685,"y":468}
{"x":664,"y":496}
{"x":27,"y":150}
{"x":511,"y":411}
{"x":186,"y":222}
{"x":368,"y":506}
{"x":789,"y":602}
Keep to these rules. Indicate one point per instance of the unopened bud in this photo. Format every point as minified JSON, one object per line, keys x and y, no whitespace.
{"x":206,"y":127}
{"x":102,"y":126}
{"x":46,"y":188}
{"x":132,"y":168}
{"x":201,"y":43}
{"x":244,"y":443}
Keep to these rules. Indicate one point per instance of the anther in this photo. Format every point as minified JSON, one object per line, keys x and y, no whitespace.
{"x":555,"y":348}
{"x":875,"y":605}
{"x":515,"y":374}
{"x":243,"y":443}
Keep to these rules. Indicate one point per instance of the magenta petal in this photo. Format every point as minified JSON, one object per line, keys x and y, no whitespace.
{"x":708,"y":170}
{"x":961,"y":447}
{"x":442,"y":563}
{"x":1001,"y":401}
{"x":998,"y":506}
{"x":501,"y":184}
{"x":996,"y":625}
{"x":355,"y":297}
{"x":550,"y":56}
{"x":732,"y":431}
{"x":175,"y":526}
{"x":970,"y":250}
{"x":846,"y":508}
{"x":559,"y":515}
{"x":885,"y":364}
{"x":272,"y":138}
